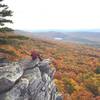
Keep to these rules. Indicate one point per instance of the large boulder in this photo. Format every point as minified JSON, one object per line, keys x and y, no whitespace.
{"x":44,"y":66}
{"x":29,"y":64}
{"x":9,"y":74}
{"x":18,"y":92}
{"x":32,"y":74}
{"x":28,"y":80}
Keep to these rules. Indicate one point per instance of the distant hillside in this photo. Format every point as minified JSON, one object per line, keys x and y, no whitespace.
{"x":93,"y":36}
{"x":88,"y":38}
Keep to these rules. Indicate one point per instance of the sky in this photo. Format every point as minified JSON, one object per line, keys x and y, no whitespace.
{"x":55,"y":14}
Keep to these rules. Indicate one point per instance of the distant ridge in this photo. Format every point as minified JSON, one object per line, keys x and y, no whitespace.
{"x":82,"y":37}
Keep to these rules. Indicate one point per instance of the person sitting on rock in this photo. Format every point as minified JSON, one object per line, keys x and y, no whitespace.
{"x":35,"y":55}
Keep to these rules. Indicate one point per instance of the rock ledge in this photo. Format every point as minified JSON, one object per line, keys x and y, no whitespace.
{"x":28,"y":80}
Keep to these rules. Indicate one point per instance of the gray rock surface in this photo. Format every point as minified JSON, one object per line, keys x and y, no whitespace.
{"x":9,"y":74}
{"x":28,"y":80}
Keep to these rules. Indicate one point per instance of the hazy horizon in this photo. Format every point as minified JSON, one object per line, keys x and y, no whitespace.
{"x":60,"y":30}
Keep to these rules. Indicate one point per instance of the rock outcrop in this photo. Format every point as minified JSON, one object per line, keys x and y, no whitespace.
{"x":28,"y":80}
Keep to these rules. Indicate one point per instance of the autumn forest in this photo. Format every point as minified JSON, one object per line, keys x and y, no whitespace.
{"x":77,"y":66}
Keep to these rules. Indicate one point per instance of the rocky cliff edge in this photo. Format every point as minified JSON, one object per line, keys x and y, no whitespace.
{"x":28,"y":80}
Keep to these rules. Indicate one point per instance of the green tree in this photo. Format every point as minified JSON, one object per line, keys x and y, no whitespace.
{"x":97,"y":70}
{"x":69,"y":86}
{"x":4,"y":14}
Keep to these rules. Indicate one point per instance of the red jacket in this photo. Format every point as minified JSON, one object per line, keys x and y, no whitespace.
{"x":35,"y":55}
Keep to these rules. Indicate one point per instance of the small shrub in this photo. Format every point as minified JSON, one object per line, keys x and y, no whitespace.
{"x":97,"y":71}
{"x":8,"y":52}
{"x":5,"y":41}
{"x":93,"y":88}
{"x":69,"y":87}
{"x":18,"y":37}
{"x":6,"y":29}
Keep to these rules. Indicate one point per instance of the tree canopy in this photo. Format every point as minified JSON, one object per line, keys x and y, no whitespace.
{"x":4,"y":14}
